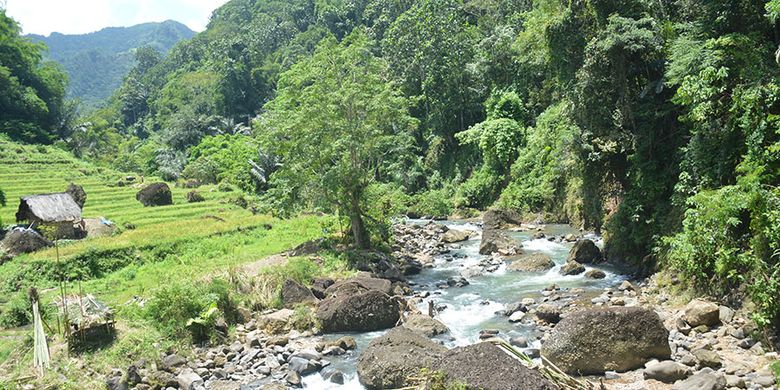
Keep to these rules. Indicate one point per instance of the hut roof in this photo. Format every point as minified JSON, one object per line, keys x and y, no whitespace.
{"x":59,"y":207}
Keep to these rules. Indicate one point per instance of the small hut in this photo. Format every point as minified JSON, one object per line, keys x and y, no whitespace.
{"x":90,"y":322}
{"x":58,"y":214}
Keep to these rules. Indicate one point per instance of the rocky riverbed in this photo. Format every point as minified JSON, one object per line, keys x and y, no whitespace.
{"x":544,"y":289}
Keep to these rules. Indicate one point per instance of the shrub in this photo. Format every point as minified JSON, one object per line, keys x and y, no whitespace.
{"x":226,"y":302}
{"x":544,"y":176}
{"x":194,"y":197}
{"x":731,"y":237}
{"x":479,"y":190}
{"x":175,"y":308}
{"x":172,"y":305}
{"x":18,"y":311}
{"x":434,"y":203}
{"x":498,"y":139}
{"x":224,"y":157}
{"x":188,"y":183}
{"x":776,"y":368}
{"x":266,"y":287}
{"x":224,"y":186}
{"x":304,"y":318}
{"x":240,"y":201}
{"x":202,"y":169}
{"x":300,"y":269}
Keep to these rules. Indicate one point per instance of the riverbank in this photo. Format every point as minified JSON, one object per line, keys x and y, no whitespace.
{"x":438,"y":270}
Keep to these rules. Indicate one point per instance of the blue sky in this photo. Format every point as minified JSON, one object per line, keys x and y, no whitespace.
{"x":84,"y":16}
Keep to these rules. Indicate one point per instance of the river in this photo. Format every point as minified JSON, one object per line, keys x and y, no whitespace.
{"x":473,"y":308}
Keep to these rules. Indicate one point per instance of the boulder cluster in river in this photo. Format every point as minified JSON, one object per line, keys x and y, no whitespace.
{"x":629,"y":336}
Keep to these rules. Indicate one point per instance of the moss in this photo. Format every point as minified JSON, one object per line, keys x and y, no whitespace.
{"x":436,"y":380}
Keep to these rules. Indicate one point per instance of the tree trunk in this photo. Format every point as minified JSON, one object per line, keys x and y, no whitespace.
{"x":358,"y":227}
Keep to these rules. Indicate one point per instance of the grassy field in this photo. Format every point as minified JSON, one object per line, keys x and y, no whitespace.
{"x":181,"y":243}
{"x":33,"y":169}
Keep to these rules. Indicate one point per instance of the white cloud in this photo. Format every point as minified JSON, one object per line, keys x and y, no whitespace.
{"x":83,"y":16}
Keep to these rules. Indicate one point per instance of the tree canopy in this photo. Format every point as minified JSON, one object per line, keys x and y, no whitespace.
{"x":32,"y":99}
{"x":338,"y":124}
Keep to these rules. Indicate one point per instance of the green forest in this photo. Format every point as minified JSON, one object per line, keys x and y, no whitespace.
{"x":96,"y":63}
{"x":652,"y":122}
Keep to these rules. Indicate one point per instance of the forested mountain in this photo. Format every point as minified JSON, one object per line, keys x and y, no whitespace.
{"x":97,"y":62}
{"x":653,"y":122}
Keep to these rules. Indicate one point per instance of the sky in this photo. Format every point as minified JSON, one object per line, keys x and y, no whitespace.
{"x":84,"y":16}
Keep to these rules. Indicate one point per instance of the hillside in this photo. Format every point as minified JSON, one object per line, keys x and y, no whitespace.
{"x":97,"y":62}
{"x":182,"y":243}
{"x":37,"y":169}
{"x":29,"y":169}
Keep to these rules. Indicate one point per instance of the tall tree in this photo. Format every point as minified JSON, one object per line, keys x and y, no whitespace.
{"x":336,"y":122}
{"x":33,"y":91}
{"x":429,"y":48}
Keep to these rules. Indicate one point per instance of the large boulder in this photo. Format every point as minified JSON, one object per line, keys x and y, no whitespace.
{"x":390,"y":360}
{"x":425,"y":325}
{"x":707,"y":358}
{"x":278,"y":322}
{"x":319,"y":286}
{"x":77,"y":193}
{"x":294,"y":293}
{"x":452,"y":236}
{"x":666,"y":371}
{"x":359,"y":284}
{"x":22,"y":240}
{"x":162,"y":380}
{"x":501,"y":219}
{"x":189,"y":380}
{"x":572,"y":268}
{"x":156,"y":194}
{"x":535,"y":262}
{"x":585,"y":252}
{"x":706,"y":379}
{"x":497,"y":241}
{"x":700,"y":312}
{"x":609,"y":339}
{"x":595,"y":274}
{"x":486,"y":366}
{"x":548,"y":313}
{"x":361,"y":311}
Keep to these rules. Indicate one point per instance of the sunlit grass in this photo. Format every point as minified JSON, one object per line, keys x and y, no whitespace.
{"x":180,"y":243}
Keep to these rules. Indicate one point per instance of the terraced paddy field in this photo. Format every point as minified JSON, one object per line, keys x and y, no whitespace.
{"x":26,"y":170}
{"x":184,"y":244}
{"x":180,"y":241}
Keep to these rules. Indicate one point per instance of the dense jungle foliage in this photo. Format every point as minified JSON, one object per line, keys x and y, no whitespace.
{"x":654,"y":122}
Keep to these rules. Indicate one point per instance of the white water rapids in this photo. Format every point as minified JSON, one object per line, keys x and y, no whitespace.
{"x":473,"y":308}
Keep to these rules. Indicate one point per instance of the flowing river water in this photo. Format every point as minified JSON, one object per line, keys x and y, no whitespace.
{"x":472,"y":308}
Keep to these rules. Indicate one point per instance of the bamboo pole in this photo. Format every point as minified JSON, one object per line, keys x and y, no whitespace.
{"x":41,"y":358}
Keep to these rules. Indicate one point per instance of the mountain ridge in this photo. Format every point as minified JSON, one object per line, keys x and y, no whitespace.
{"x":97,"y":62}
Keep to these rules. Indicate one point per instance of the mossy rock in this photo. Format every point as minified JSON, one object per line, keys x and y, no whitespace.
{"x":156,"y":194}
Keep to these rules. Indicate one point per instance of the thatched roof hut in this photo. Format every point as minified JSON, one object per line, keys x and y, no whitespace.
{"x":49,"y":208}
